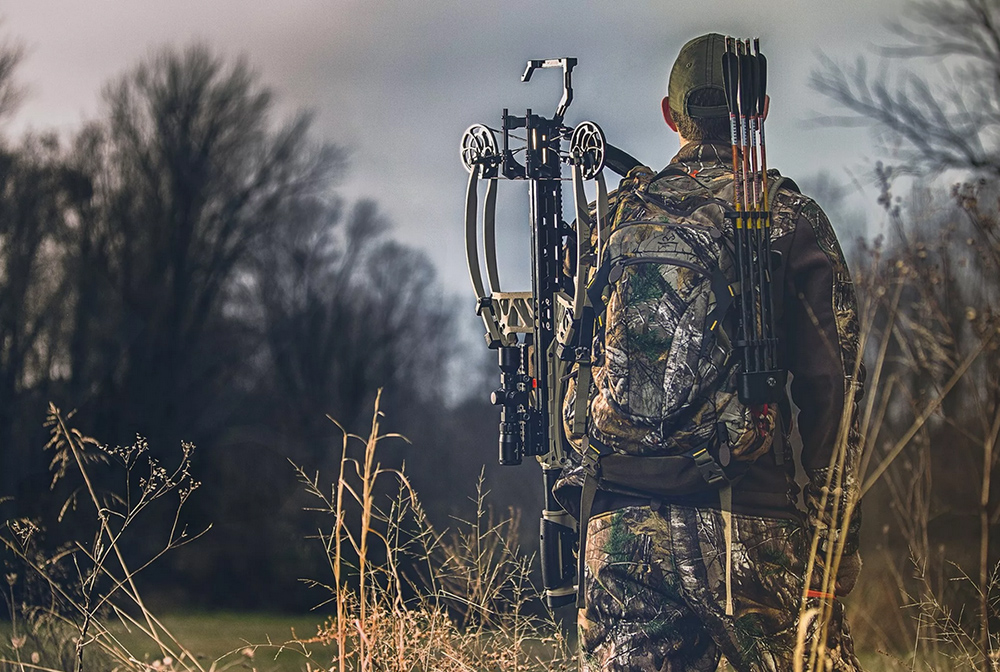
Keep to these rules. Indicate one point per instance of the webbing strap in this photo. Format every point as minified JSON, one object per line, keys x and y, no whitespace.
{"x":595,"y":290}
{"x":593,"y":450}
{"x":726,"y":504}
{"x":725,"y":296}
{"x":587,"y":495}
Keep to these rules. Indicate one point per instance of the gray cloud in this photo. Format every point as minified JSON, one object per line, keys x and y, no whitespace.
{"x":398,"y":82}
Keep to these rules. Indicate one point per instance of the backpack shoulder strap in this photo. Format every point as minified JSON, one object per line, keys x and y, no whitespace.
{"x":637,"y":177}
{"x":673,"y":170}
{"x":775,"y":183}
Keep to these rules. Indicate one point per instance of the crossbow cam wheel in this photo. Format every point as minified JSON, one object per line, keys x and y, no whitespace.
{"x":586,"y":146}
{"x":479,"y":148}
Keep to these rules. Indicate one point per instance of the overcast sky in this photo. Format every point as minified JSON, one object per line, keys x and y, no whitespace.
{"x":398,"y":82}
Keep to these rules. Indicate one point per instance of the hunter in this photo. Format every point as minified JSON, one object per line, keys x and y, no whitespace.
{"x":677,"y":582}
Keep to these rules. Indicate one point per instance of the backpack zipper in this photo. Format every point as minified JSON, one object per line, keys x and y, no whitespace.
{"x":619,"y":266}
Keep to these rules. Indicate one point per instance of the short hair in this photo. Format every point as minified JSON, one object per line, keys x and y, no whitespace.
{"x":714,"y":129}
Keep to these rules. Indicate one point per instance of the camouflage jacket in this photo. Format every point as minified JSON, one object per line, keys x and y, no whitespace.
{"x":817,"y":322}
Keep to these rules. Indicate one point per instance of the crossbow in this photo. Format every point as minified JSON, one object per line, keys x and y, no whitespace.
{"x":540,"y":335}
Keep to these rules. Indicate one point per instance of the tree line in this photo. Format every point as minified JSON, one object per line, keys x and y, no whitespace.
{"x":183,"y":269}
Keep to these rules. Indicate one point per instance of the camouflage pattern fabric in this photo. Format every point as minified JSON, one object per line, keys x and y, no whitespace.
{"x":833,"y":486}
{"x":665,"y":383}
{"x":655,"y":589}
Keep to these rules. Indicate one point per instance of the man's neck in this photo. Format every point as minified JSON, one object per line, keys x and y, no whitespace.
{"x":704,"y":152}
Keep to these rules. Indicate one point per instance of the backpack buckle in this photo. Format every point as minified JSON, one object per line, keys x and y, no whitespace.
{"x":593,"y":451}
{"x":710,"y":470}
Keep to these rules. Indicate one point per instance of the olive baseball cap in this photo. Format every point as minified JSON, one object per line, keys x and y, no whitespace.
{"x":698,"y":67}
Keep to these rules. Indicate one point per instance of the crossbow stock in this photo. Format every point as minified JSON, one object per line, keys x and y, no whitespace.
{"x":541,"y":334}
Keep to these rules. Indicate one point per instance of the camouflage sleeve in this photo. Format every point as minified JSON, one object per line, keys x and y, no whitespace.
{"x":827,"y":375}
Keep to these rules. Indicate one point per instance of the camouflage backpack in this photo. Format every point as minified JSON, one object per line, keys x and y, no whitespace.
{"x":664,"y":371}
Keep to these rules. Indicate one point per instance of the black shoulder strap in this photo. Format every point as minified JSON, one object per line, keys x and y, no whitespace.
{"x":619,"y":161}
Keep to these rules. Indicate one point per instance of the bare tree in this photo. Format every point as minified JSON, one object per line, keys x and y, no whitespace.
{"x":11,"y":92}
{"x":34,"y":185}
{"x":952,"y":122}
{"x":184,"y":270}
{"x":344,"y":311}
{"x":190,"y":173}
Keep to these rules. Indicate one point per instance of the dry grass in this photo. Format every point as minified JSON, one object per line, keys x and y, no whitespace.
{"x":68,"y":607}
{"x":436,"y":601}
{"x":404,"y":596}
{"x":928,"y":426}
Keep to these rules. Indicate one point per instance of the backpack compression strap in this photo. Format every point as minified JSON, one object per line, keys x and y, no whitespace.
{"x":593,"y":451}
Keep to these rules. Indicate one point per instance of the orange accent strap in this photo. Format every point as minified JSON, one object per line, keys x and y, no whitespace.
{"x":820,"y":594}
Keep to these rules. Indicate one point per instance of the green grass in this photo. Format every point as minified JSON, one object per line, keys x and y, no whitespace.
{"x":223,"y":636}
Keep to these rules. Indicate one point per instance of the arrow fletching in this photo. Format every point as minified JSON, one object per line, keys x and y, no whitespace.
{"x":762,"y":81}
{"x":730,"y":77}
{"x":746,"y":81}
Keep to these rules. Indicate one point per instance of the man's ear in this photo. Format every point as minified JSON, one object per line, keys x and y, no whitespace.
{"x":667,"y":116}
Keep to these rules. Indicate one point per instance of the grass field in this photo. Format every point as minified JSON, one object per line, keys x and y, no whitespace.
{"x":223,"y":640}
{"x":220,"y":640}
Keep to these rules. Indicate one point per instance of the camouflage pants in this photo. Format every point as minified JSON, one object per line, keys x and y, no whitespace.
{"x":656,"y":594}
